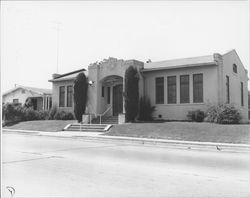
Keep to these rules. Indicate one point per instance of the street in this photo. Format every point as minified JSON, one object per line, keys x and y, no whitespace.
{"x":40,"y":166}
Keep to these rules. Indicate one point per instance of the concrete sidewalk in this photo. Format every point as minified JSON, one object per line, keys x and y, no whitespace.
{"x":98,"y":136}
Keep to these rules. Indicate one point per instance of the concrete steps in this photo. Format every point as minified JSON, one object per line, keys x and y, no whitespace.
{"x":105,"y":120}
{"x":88,"y":127}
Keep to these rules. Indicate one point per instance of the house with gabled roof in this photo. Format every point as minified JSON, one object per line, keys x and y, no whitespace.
{"x":174,"y":87}
{"x":41,"y":99}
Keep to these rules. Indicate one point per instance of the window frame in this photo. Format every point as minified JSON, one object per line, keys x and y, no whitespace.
{"x":71,"y":98}
{"x":182,"y":101}
{"x":169,"y":86}
{"x":227,"y":89}
{"x":196,"y":100}
{"x":62,"y":93}
{"x":159,"y":96}
{"x":242,"y":93}
{"x":235,"y":69}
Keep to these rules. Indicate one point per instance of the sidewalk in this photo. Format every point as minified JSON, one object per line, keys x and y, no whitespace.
{"x":98,"y":136}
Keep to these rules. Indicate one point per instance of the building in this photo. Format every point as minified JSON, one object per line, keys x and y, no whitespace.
{"x":174,"y":87}
{"x":41,"y":99}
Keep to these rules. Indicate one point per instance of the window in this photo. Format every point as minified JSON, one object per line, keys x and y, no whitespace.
{"x":102,"y":91}
{"x":61,"y":96}
{"x":69,"y":96}
{"x":171,"y":89}
{"x":235,"y":68}
{"x":108,"y":99}
{"x":242,"y":94}
{"x":198,"y":88}
{"x":159,"y":90}
{"x":15,"y":101}
{"x":184,"y":89}
{"x":228,"y":88}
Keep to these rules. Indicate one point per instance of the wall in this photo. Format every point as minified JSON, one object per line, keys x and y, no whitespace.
{"x":55,"y":95}
{"x":17,"y":94}
{"x":179,"y":111}
{"x":98,"y":72}
{"x":229,"y":59}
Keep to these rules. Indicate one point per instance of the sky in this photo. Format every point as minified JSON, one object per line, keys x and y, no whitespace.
{"x":39,"y":38}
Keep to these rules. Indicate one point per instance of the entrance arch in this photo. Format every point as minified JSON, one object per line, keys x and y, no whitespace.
{"x":112,"y":94}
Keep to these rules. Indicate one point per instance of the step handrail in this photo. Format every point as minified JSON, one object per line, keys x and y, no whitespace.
{"x":101,"y":115}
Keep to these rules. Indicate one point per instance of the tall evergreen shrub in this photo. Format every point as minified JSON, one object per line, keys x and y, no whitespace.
{"x":131,"y":94}
{"x":80,"y":95}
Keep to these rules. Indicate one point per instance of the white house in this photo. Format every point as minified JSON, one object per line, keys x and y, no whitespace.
{"x":174,"y":87}
{"x":40,"y":98}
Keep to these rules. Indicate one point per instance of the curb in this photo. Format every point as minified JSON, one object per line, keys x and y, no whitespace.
{"x":211,"y":146}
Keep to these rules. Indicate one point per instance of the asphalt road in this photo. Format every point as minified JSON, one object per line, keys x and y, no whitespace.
{"x":39,"y":166}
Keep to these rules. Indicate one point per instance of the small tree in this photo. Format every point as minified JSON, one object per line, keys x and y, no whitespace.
{"x":131,"y":94}
{"x":145,"y":110}
{"x":80,"y":95}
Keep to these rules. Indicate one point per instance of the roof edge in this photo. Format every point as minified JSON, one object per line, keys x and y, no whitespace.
{"x":180,"y":66}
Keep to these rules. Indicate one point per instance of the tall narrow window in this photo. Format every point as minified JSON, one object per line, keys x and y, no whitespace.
{"x":159,"y":90}
{"x":198,"y":88}
{"x":171,"y":89}
{"x":184,"y":89}
{"x":69,"y":96}
{"x":102,"y":91}
{"x":242,"y":94}
{"x":235,"y":68}
{"x":228,"y":89}
{"x":108,"y":99}
{"x":61,"y":96}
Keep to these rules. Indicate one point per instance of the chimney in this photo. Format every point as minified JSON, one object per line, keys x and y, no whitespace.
{"x":55,"y":75}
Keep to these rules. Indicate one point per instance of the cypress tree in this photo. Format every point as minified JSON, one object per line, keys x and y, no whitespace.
{"x":131,"y":94}
{"x":80,"y":95}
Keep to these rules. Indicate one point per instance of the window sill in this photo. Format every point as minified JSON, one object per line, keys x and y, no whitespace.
{"x":180,"y":104}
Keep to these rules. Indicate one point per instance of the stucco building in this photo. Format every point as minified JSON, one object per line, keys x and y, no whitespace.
{"x":41,"y":99}
{"x":174,"y":87}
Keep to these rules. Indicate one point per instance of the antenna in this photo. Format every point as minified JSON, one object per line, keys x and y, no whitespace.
{"x":58,"y":28}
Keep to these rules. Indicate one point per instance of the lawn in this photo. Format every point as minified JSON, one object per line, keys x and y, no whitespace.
{"x":42,"y":125}
{"x":188,"y":131}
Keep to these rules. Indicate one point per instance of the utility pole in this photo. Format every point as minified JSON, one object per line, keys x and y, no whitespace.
{"x":58,"y":29}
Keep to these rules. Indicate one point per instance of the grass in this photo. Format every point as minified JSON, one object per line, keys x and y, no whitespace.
{"x":42,"y":125}
{"x":188,"y":131}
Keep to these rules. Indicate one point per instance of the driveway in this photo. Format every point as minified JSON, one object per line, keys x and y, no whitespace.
{"x":40,"y":166}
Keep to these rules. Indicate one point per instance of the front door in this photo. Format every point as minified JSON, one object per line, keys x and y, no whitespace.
{"x":117,"y":100}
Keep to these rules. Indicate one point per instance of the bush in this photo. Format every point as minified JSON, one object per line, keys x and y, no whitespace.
{"x":16,"y":112}
{"x":52,"y":112}
{"x":80,"y":95}
{"x":223,"y":114}
{"x":131,"y":94}
{"x":196,"y":116}
{"x":12,"y":112}
{"x":145,"y":110}
{"x":62,"y":115}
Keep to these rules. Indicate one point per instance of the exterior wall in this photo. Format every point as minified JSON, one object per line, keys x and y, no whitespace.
{"x":98,"y":72}
{"x":17,"y":94}
{"x":179,"y":111}
{"x":234,"y":80}
{"x":55,"y":95}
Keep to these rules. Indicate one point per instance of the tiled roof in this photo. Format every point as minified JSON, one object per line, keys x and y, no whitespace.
{"x":184,"y":62}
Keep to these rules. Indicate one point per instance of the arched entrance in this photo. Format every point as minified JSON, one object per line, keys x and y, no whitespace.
{"x":112,"y":95}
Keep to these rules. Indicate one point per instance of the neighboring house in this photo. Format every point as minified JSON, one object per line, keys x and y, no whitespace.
{"x":249,"y":105}
{"x":40,"y":98}
{"x":174,"y":87}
